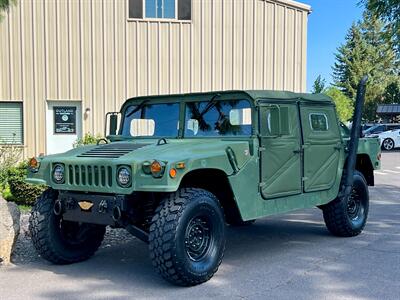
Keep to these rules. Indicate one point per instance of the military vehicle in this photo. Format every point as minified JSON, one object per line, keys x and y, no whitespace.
{"x":175,"y":169}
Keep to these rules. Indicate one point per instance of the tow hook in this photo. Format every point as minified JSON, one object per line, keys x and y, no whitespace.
{"x":58,"y":208}
{"x":116,"y":214}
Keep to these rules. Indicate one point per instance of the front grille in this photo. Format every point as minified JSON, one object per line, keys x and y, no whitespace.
{"x":88,"y":175}
{"x":113,"y":150}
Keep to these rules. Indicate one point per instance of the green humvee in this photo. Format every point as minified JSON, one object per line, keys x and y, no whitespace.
{"x":182,"y":166}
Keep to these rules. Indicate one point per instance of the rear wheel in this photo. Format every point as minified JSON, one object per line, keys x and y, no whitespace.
{"x":60,"y":241}
{"x":187,"y":237}
{"x":388,"y":144}
{"x":347,"y":217}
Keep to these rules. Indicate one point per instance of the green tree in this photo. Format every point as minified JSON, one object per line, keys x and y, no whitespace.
{"x":344,"y":105}
{"x":318,"y":85}
{"x":4,"y":6}
{"x":366,"y":51}
{"x":389,"y":12}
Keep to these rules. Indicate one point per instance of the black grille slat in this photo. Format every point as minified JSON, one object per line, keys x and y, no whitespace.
{"x":113,"y":150}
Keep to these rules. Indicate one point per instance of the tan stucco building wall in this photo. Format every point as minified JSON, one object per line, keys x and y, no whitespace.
{"x":90,"y":51}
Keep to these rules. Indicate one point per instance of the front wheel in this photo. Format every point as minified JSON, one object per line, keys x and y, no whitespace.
{"x":388,"y":144}
{"x":187,"y":237}
{"x":347,"y":217}
{"x":60,"y":241}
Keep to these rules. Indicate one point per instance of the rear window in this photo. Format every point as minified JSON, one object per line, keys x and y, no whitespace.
{"x":318,"y":122}
{"x":219,"y":118}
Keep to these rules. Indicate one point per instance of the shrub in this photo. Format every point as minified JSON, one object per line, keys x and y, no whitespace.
{"x":10,"y":155}
{"x":87,"y":139}
{"x":22,"y":193}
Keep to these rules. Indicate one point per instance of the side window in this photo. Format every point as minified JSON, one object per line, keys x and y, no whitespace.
{"x":221,"y":118}
{"x":318,"y":121}
{"x":276,"y":121}
{"x":160,"y":9}
{"x":11,"y":123}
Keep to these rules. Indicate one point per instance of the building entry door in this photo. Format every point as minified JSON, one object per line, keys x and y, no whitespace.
{"x":63,"y":125}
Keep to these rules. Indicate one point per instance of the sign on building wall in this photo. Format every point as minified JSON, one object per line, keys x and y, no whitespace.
{"x":64,"y":119}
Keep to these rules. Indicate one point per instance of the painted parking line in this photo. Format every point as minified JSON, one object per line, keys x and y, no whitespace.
{"x":380,"y":173}
{"x":391,"y":171}
{"x":398,"y":167}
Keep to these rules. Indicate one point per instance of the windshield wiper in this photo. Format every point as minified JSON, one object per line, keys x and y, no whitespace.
{"x":139,"y":107}
{"x":211,"y":103}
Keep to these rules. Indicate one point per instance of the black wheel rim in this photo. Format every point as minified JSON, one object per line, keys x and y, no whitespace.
{"x":198,"y":238}
{"x":355,"y":209}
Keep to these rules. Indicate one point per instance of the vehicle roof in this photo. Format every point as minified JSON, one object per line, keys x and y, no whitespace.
{"x":252,"y":94}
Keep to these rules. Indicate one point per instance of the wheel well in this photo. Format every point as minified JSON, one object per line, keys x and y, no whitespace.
{"x":216,"y":182}
{"x":364,"y":165}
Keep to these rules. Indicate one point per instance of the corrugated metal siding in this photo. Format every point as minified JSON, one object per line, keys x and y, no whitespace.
{"x":88,"y":50}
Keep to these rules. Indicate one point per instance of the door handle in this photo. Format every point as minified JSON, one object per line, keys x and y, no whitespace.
{"x":298,"y":151}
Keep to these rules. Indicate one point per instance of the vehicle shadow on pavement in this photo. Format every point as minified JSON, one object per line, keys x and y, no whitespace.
{"x":263,"y":250}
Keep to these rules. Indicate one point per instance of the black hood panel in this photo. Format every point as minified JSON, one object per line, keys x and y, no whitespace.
{"x":113,"y":150}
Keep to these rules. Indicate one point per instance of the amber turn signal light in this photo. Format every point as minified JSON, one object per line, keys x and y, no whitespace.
{"x":33,"y":164}
{"x":157,"y":169}
{"x":172,"y":173}
{"x":180,"y":165}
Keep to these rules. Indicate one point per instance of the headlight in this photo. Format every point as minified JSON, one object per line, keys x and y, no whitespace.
{"x":124,"y":176}
{"x":58,"y":173}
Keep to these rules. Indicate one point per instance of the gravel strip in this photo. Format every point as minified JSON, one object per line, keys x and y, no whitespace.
{"x":25,"y":253}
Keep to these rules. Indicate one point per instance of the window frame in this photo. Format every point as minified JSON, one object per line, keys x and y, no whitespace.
{"x":22,"y":144}
{"x":319,"y":114}
{"x":160,"y":20}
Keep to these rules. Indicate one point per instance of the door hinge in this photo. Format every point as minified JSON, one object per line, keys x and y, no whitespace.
{"x":261,"y":149}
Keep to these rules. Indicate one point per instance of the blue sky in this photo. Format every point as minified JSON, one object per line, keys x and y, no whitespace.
{"x":327,"y":26}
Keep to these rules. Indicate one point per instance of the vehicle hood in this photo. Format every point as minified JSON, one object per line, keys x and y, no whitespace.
{"x":136,"y":152}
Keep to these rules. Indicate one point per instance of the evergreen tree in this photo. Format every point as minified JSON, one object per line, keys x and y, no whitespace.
{"x":389,"y":12}
{"x":366,"y":51}
{"x":318,"y":85}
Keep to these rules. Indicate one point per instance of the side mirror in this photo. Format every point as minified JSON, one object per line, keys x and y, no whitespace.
{"x":111,"y":123}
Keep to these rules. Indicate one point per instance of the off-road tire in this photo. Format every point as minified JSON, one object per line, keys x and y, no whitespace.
{"x":388,"y":144}
{"x":170,"y":236}
{"x":47,"y":237}
{"x":341,"y":218}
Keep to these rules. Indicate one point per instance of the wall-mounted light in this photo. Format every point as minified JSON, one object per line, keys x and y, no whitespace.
{"x":86,"y":113}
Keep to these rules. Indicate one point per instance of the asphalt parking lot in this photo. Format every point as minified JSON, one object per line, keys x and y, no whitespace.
{"x":290,"y":256}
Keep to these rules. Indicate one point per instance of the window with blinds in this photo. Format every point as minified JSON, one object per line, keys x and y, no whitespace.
{"x":11,"y":123}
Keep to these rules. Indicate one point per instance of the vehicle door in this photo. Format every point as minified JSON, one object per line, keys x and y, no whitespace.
{"x":280,"y":153}
{"x":322,"y":146}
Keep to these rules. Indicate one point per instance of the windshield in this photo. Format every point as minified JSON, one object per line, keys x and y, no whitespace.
{"x":219,"y":118}
{"x":151,"y":120}
{"x":375,"y":129}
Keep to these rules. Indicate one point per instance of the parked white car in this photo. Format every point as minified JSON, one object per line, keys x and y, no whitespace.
{"x":389,"y":139}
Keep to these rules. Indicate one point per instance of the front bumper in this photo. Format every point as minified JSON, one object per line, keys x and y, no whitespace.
{"x":92,"y":208}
